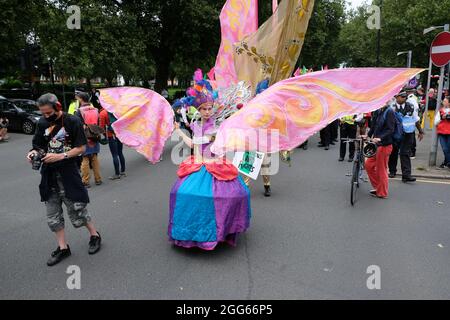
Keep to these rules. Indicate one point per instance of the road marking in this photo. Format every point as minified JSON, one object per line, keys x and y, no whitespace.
{"x":426,"y":181}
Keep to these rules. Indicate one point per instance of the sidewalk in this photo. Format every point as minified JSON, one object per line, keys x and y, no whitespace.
{"x":420,"y":168}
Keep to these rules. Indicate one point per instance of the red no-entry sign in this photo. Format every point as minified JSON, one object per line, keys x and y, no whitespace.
{"x":440,"y":49}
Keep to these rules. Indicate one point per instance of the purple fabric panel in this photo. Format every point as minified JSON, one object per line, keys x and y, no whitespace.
{"x":208,"y":128}
{"x":231,"y":239}
{"x":172,"y":201}
{"x":231,"y":201}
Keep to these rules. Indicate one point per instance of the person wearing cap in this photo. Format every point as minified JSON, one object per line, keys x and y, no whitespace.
{"x":410,"y":121}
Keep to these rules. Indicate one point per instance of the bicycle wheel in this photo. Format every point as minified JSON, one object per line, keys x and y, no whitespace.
{"x":354,"y":182}
{"x":360,"y":168}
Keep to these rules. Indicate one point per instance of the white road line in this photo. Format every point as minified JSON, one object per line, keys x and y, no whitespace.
{"x":426,"y":181}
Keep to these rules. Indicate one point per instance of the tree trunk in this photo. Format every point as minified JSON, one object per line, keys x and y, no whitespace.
{"x":162,"y":75}
{"x":89,"y":85}
{"x":110,"y":82}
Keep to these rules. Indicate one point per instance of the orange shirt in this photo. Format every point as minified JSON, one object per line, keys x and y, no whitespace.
{"x":104,"y":122}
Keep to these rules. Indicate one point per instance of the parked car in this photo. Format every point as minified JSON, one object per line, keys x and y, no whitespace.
{"x":23,"y":118}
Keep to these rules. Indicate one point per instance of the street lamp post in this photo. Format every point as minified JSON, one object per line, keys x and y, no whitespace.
{"x":379,"y":38}
{"x":50,"y":61}
{"x":409,"y":53}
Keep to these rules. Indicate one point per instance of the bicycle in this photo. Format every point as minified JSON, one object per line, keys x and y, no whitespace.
{"x":358,"y":166}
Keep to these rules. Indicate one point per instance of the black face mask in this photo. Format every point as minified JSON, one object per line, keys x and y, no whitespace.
{"x":52,"y":118}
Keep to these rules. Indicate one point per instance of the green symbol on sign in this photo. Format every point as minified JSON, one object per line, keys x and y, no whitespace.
{"x":246,"y":165}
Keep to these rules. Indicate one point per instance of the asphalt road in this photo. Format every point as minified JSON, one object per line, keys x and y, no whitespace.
{"x":305,"y":242}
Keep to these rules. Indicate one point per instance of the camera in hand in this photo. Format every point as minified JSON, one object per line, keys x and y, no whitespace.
{"x":36,"y":159}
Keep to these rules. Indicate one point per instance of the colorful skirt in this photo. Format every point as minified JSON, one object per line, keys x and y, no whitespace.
{"x":209,"y":204}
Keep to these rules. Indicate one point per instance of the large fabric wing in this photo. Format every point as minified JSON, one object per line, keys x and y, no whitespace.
{"x":292,"y":110}
{"x":272,"y":52}
{"x":145,"y":119}
{"x":238,"y":19}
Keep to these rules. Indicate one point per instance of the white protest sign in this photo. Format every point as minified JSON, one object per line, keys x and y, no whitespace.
{"x":248,"y":163}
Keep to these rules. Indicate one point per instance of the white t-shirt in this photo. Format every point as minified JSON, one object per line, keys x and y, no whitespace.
{"x":412,"y":99}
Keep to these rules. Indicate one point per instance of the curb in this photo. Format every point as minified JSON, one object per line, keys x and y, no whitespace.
{"x":431,"y":176}
{"x":443,"y":176}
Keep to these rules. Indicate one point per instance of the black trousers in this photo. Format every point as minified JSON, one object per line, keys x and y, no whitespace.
{"x":334,"y":130}
{"x":304,"y":144}
{"x":404,"y":148}
{"x":413,"y":147}
{"x":348,"y":131}
{"x":325,"y":135}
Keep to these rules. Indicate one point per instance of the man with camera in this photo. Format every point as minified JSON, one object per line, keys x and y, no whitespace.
{"x":58,"y":141}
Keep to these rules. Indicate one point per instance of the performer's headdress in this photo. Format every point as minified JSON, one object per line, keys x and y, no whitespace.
{"x":202,"y":93}
{"x":203,"y":99}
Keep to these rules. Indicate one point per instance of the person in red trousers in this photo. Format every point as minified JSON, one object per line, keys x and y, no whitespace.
{"x":381,"y":131}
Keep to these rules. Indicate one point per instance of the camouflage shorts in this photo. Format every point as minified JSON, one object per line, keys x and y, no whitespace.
{"x":76,"y":211}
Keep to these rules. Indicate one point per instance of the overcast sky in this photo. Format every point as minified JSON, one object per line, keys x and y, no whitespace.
{"x":356,"y":3}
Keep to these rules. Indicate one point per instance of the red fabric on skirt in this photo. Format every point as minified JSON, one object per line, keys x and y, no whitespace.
{"x":377,"y":170}
{"x":222,"y":169}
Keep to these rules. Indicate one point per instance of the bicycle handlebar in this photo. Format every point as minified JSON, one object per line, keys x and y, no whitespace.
{"x":349,"y":140}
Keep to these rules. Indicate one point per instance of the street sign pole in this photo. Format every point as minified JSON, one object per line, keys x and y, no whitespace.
{"x":448,"y":77}
{"x":434,"y":143}
{"x":409,"y":58}
{"x":447,"y":28}
{"x":430,"y":68}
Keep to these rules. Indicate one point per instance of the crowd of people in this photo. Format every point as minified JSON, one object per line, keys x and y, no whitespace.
{"x":93,"y":117}
{"x":407,"y":110}
{"x":393,"y":129}
{"x":72,"y":143}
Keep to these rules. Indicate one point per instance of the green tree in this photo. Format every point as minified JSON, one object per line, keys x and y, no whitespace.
{"x":357,"y":43}
{"x":107,"y":44}
{"x":322,"y":37}
{"x":178,"y":34}
{"x":402,"y":24}
{"x":17,"y":22}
